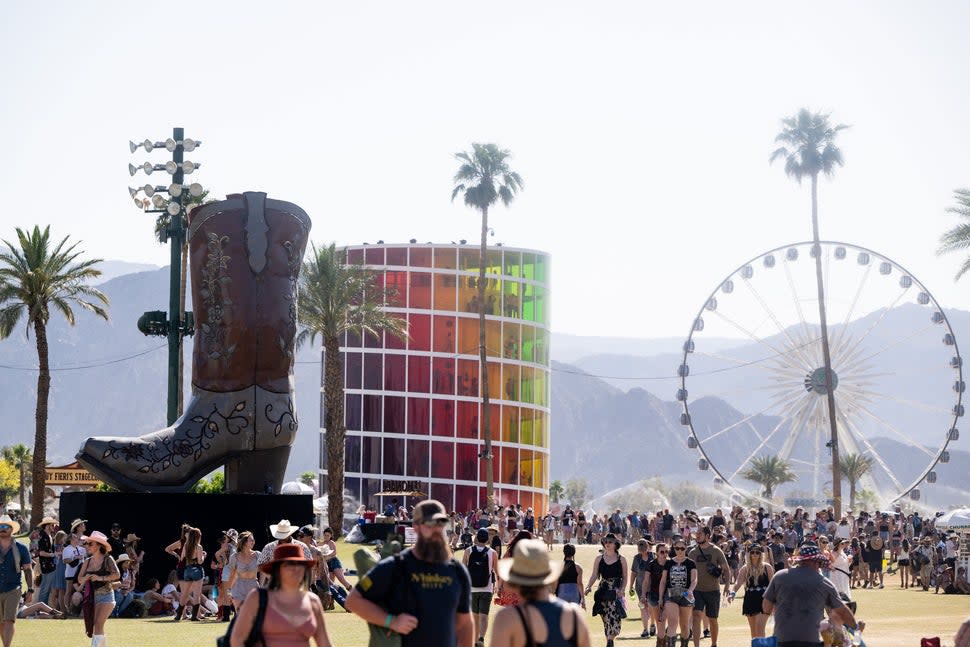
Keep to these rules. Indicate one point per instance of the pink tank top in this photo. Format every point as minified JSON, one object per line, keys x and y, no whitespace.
{"x":279,"y":631}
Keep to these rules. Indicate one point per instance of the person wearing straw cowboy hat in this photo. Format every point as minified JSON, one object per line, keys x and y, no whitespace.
{"x":283,"y":533}
{"x":421,"y":593}
{"x":45,"y":558}
{"x":79,"y":527}
{"x":798,"y":597}
{"x":12,"y":554}
{"x":541,"y":619}
{"x":100,"y":570}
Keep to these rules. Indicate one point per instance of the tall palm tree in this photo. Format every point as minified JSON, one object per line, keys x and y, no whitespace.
{"x":336,"y":298}
{"x":957,"y":239}
{"x":556,"y":491}
{"x":484,"y":178}
{"x":34,"y":276}
{"x":854,"y":467}
{"x":19,"y":456}
{"x":808,"y":147}
{"x":769,"y":471}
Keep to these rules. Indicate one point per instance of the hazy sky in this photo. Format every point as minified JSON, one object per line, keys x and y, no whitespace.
{"x":642,"y":129}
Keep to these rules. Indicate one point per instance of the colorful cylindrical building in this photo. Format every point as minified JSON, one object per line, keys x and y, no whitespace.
{"x":412,"y":406}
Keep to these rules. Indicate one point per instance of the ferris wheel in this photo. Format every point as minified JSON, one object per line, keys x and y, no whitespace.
{"x":753,"y":383}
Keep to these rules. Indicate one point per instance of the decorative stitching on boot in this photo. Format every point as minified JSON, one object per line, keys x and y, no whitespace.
{"x":291,"y":425}
{"x":215,"y":298}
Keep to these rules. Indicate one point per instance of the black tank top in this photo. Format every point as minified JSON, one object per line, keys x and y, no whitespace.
{"x":569,"y":573}
{"x":551,"y":612}
{"x":611,"y":571}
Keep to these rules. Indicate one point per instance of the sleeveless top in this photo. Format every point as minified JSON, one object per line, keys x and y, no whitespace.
{"x":245,"y":570}
{"x":551,"y":611}
{"x":612,"y":571}
{"x":569,"y":573}
{"x":281,"y":630}
{"x":759,"y":586}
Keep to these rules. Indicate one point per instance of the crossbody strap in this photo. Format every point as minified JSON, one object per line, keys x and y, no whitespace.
{"x":256,"y":633}
{"x":529,"y":642}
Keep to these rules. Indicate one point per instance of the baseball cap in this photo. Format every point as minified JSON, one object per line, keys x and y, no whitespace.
{"x":430,"y":510}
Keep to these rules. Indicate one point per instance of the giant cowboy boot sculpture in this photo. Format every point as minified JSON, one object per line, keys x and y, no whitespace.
{"x":246,"y":253}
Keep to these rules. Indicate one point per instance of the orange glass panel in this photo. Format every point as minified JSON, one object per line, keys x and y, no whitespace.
{"x":511,"y":340}
{"x":444,"y":334}
{"x":467,"y":336}
{"x":494,"y":421}
{"x":497,"y":453}
{"x":468,"y":294}
{"x":468,"y":258}
{"x":510,"y":466}
{"x":420,"y":257}
{"x":493,"y":338}
{"x":446,"y":258}
{"x":419,"y":291}
{"x":444,"y":292}
{"x":510,"y":382}
{"x":510,"y":424}
{"x":494,"y":379}
{"x":538,"y":470}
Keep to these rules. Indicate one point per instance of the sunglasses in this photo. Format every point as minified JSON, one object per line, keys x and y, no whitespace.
{"x":679,"y":548}
{"x":435,"y":522}
{"x":6,"y":527}
{"x":661,"y":552}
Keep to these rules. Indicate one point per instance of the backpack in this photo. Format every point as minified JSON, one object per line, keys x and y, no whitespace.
{"x":478,"y":567}
{"x":135,"y":609}
{"x":256,"y":633}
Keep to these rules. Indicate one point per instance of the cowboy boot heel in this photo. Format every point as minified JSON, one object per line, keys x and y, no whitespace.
{"x":251,"y":471}
{"x":245,"y":256}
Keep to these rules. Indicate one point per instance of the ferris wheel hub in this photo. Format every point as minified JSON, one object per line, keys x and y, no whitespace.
{"x":815,"y":381}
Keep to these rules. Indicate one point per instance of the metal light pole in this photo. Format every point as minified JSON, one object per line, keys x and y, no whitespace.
{"x":155,"y":322}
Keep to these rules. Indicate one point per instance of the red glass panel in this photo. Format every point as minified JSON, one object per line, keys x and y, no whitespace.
{"x":373,"y":371}
{"x":374,"y":255}
{"x":466,"y":498}
{"x":419,"y":416}
{"x":418,"y":457}
{"x":443,"y":418}
{"x":419,"y":374}
{"x":419,"y":330}
{"x":420,"y":257}
{"x":497,"y":452}
{"x":397,"y":288}
{"x":443,"y":375}
{"x":352,"y":407}
{"x":374,"y":339}
{"x":466,"y":461}
{"x":353,"y":365}
{"x":393,"y":457}
{"x":397,"y":255}
{"x":394,"y":341}
{"x":525,"y":498}
{"x":510,"y":466}
{"x":371,"y":454}
{"x":444,"y":334}
{"x":394,"y":414}
{"x":468,"y":377}
{"x":444,"y":492}
{"x":494,"y":421}
{"x":355,"y":256}
{"x":352,"y":454}
{"x":467,"y":419}
{"x":372,"y":413}
{"x":394,"y":373}
{"x":443,"y":460}
{"x":419,"y":290}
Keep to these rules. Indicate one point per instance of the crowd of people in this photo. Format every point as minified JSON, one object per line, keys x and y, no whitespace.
{"x":684,"y":571}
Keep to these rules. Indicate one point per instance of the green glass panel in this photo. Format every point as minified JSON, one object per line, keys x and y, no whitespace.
{"x":542,"y":347}
{"x":527,"y":430}
{"x":542,"y":265}
{"x":468,"y":258}
{"x":512,"y":304}
{"x":529,"y":266}
{"x":528,"y":344}
{"x":513,"y":264}
{"x":528,"y":302}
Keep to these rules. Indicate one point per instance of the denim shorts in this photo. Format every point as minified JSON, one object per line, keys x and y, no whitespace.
{"x":105,"y":598}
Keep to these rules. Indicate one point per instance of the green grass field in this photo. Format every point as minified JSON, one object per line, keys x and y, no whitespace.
{"x":895,"y":618}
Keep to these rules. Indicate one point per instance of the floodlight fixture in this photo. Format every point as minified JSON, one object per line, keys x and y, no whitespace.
{"x":170,"y":145}
{"x":175,"y":190}
{"x":132,"y":192}
{"x":149,"y":190}
{"x":196,"y":190}
{"x":173,"y":208}
{"x":158,"y":201}
{"x":188,"y":167}
{"x":189,"y":145}
{"x":132,"y":146}
{"x":148,"y":145}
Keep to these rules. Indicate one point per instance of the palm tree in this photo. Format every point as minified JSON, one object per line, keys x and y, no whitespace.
{"x":957,"y":239}
{"x":484,"y":178}
{"x":34,"y":276}
{"x":854,"y":467}
{"x":334,"y":299}
{"x":19,"y":456}
{"x":556,"y":491}
{"x":769,"y":471}
{"x":808,"y":146}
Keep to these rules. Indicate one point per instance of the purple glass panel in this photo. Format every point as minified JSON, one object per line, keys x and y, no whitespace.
{"x":372,"y":413}
{"x":369,"y":489}
{"x":374,"y":340}
{"x":394,"y":373}
{"x":371,"y":454}
{"x":443,"y":372}
{"x":443,"y":418}
{"x":352,"y":484}
{"x":394,"y":457}
{"x":393,"y":341}
{"x":443,"y":460}
{"x":418,"y":458}
{"x":353,"y":340}
{"x":355,"y":256}
{"x":420,"y":257}
{"x":419,"y":329}
{"x":466,"y":462}
{"x":373,"y":371}
{"x":395,"y":410}
{"x":352,"y":408}
{"x":353,"y":364}
{"x":419,"y":416}
{"x":397,"y":255}
{"x":374,"y":256}
{"x":419,"y":374}
{"x":352,"y":454}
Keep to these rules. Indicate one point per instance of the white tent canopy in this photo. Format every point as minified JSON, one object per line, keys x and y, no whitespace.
{"x":959,"y":518}
{"x":295,"y":487}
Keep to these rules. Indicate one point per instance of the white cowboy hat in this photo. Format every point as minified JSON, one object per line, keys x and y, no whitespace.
{"x":123,"y":557}
{"x":283,"y":529}
{"x":7,"y":521}
{"x":530,"y":565}
{"x":326,"y":552}
{"x":97,"y":537}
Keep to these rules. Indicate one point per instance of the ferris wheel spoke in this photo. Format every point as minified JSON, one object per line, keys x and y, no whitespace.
{"x":850,"y":366}
{"x":891,"y":427}
{"x":879,"y":319}
{"x":737,"y":424}
{"x":857,"y":435}
{"x":736,"y":363}
{"x":911,"y":403}
{"x":795,"y":300}
{"x":781,"y":423}
{"x":796,"y":430}
{"x":798,"y":348}
{"x":751,"y":335}
{"x":843,"y":329}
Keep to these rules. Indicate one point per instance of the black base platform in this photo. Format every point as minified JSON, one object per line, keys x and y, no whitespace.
{"x":158,"y":518}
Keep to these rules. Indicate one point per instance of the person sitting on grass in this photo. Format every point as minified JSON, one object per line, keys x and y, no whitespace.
{"x":159,"y":604}
{"x":36,"y":610}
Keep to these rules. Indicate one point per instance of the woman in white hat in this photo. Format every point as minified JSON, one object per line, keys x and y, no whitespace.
{"x":541,"y":618}
{"x":100,"y":570}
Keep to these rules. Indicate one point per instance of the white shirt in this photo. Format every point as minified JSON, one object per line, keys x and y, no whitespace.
{"x":70,"y":554}
{"x":169,"y":589}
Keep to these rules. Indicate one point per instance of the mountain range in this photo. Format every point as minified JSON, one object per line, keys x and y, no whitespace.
{"x":109,"y":379}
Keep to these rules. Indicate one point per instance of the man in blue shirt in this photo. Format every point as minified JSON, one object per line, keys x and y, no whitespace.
{"x":11,"y":553}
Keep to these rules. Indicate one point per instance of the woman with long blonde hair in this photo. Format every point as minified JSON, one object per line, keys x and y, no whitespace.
{"x":754,"y":575}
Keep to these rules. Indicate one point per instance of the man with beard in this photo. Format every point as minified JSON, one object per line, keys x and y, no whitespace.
{"x":712,"y":568}
{"x":421,"y":593}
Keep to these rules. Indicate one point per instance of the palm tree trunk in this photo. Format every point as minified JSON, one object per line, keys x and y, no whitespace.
{"x":483,"y":365}
{"x":40,"y":424}
{"x":826,"y":357}
{"x":852,"y":495}
{"x":334,"y":432}
{"x":22,"y":481}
